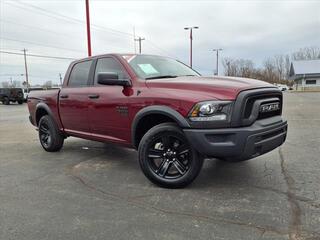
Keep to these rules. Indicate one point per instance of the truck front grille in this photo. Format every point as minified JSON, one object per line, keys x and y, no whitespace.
{"x":249,"y":103}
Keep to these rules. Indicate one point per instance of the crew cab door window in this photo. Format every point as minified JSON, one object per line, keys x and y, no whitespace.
{"x":109,"y":65}
{"x":80,"y":74}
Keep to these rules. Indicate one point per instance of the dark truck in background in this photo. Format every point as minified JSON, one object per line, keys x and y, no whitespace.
{"x":168,"y":112}
{"x":8,"y":95}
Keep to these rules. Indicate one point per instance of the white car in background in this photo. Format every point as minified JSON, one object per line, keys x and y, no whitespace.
{"x":282,"y":87}
{"x":25,"y":94}
{"x":27,"y":91}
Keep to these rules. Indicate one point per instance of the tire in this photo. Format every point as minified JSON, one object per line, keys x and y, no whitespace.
{"x":20,"y":101}
{"x":166,"y":158}
{"x":50,"y":136}
{"x":6,"y":101}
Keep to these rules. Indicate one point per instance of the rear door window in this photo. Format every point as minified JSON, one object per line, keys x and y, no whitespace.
{"x":80,"y":74}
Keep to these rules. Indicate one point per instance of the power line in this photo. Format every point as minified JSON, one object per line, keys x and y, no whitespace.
{"x":40,"y":44}
{"x":31,"y":75}
{"x":60,"y":17}
{"x":37,"y":28}
{"x":158,"y":48}
{"x":63,"y":17}
{"x":37,"y":55}
{"x":46,"y":30}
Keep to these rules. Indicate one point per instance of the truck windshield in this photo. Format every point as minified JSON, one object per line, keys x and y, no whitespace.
{"x":155,"y":67}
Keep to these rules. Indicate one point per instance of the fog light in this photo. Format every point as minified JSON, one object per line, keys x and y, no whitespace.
{"x":210,"y":118}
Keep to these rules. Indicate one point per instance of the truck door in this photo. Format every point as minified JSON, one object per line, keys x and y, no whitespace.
{"x":108,"y":110}
{"x":73,"y":99}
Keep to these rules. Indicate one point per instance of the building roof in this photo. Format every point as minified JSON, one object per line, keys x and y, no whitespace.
{"x":305,"y":67}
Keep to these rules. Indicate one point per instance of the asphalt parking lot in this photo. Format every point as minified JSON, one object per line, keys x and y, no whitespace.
{"x":92,"y":190}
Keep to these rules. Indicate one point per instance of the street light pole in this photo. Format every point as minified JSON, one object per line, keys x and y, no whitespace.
{"x":217,"y":63}
{"x":191,"y":38}
{"x":60,"y":77}
{"x":88,"y":28}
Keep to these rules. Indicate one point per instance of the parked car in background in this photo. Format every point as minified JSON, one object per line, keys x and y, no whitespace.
{"x":8,"y":95}
{"x":282,"y":87}
{"x":27,"y":91}
{"x":25,"y":94}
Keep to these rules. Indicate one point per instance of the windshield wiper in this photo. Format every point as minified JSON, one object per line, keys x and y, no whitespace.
{"x":163,"y":76}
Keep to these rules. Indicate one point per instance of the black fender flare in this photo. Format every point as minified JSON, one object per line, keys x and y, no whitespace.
{"x":157,"y":109}
{"x":45,"y":107}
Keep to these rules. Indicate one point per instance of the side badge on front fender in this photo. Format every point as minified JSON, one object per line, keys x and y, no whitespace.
{"x":123,"y":110}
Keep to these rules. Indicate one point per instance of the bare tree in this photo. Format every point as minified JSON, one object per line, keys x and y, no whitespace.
{"x":269,"y":71}
{"x":230,"y":68}
{"x":47,"y":84}
{"x":246,"y":68}
{"x":307,"y":53}
{"x":238,"y":67}
{"x":275,"y":69}
{"x":287,"y":66}
{"x":16,"y":84}
{"x":279,"y":61}
{"x":5,"y":84}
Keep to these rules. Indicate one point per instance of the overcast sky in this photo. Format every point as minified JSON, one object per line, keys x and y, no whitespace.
{"x":244,"y":29}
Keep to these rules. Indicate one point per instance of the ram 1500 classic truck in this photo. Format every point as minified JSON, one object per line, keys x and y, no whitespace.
{"x":172,"y":115}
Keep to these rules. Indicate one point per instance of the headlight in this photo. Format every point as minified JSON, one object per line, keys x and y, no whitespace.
{"x":211,"y":111}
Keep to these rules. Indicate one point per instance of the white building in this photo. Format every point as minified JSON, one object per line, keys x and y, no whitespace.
{"x":306,"y":75}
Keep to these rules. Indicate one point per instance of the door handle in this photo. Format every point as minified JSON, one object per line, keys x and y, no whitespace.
{"x":94,"y":96}
{"x":64,"y":96}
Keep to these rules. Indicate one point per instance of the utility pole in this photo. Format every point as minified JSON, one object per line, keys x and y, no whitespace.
{"x":140,"y":39}
{"x":217,"y":62}
{"x":191,"y":38}
{"x":88,"y":27}
{"x":134,"y":39}
{"x":60,"y":79}
{"x":26,"y":67}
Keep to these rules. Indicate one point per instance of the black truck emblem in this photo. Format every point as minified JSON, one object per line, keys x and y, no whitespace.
{"x":269,"y":107}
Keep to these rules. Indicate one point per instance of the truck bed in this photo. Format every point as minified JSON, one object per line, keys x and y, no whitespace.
{"x":50,"y":98}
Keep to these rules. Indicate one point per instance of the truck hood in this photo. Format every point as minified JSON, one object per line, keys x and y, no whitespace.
{"x":226,"y":88}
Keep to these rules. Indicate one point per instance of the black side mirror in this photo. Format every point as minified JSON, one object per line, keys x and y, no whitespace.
{"x":111,"y":78}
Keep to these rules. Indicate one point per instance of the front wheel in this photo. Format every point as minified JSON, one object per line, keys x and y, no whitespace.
{"x":50,"y":137}
{"x":166,"y":157}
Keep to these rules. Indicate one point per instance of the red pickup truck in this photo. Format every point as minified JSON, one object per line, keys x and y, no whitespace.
{"x":168,"y":112}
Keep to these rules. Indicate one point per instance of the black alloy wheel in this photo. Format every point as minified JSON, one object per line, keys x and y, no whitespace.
{"x":166,"y":157}
{"x":50,"y":137}
{"x":45,"y":135}
{"x":169,"y":157}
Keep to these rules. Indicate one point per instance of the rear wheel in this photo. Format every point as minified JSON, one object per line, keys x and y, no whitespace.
{"x":50,"y":137}
{"x":6,"y":101}
{"x":20,"y":101}
{"x":166,"y":158}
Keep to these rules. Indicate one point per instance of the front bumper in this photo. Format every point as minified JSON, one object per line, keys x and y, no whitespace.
{"x":238,"y":144}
